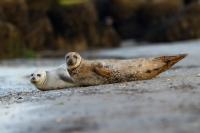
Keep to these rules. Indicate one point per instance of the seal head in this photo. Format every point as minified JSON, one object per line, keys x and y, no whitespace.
{"x":73,"y":60}
{"x":38,"y":78}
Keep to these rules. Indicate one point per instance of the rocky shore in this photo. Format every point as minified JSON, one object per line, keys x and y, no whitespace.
{"x":168,"y":103}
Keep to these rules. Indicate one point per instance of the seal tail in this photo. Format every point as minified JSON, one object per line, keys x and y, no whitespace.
{"x":170,"y":60}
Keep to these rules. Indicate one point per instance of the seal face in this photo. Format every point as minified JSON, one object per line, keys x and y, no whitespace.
{"x":73,"y":60}
{"x":38,"y":78}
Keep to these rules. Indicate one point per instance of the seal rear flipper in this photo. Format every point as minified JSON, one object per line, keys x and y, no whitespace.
{"x":170,"y":60}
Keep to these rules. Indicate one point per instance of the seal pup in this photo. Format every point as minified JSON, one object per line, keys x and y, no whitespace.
{"x":96,"y":72}
{"x":58,"y":78}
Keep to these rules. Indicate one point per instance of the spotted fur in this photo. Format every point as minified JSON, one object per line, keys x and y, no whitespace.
{"x":96,"y":72}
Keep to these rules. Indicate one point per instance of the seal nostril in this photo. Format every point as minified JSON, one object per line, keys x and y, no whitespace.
{"x":33,"y":78}
{"x":70,"y":62}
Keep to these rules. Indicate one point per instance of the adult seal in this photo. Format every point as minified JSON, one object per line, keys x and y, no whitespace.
{"x":95,"y":72}
{"x":54,"y":79}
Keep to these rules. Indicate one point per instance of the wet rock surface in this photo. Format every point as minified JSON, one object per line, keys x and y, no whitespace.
{"x":168,"y":103}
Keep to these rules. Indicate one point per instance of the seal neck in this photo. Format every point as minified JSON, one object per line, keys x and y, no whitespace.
{"x":77,"y":64}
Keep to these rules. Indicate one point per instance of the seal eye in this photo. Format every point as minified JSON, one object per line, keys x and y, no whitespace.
{"x":39,"y":75}
{"x":32,"y":75}
{"x":74,"y":56}
{"x":67,"y":57}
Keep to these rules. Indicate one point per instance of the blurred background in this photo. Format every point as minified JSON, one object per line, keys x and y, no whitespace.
{"x":50,"y":28}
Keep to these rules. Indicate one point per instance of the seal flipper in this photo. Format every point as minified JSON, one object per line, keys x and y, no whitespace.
{"x":170,"y":60}
{"x":101,"y":70}
{"x":65,"y":78}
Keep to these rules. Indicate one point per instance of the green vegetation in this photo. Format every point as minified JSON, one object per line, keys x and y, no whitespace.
{"x":29,"y":54}
{"x":71,"y":2}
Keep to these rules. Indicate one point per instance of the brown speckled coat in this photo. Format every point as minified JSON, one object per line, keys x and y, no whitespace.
{"x":96,"y":72}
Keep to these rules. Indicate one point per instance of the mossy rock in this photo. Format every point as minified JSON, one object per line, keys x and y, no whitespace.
{"x":184,"y":26}
{"x":71,"y":2}
{"x":122,"y":9}
{"x":139,"y":16}
{"x":40,"y":5}
{"x":65,"y":45}
{"x":35,"y":25}
{"x":14,"y":12}
{"x":75,"y":22}
{"x":40,"y":35}
{"x":12,"y":45}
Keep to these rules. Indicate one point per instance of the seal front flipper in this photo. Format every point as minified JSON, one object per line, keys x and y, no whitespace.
{"x":102,"y":70}
{"x":65,"y":77}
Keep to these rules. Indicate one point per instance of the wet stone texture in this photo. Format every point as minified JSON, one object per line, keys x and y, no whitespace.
{"x":168,"y":103}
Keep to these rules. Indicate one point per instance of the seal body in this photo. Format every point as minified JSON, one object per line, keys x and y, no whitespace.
{"x":96,"y":72}
{"x":58,"y":78}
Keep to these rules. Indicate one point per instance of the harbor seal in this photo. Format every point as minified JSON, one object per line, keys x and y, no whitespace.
{"x":57,"y":78}
{"x":95,"y":72}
